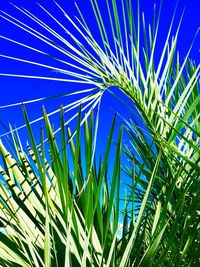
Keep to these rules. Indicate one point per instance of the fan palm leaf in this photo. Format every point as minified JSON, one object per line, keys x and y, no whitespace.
{"x":75,"y":215}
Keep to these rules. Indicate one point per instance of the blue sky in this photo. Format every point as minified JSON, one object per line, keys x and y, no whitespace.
{"x":17,"y":90}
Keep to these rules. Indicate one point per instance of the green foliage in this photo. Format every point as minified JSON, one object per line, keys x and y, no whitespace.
{"x":59,"y":209}
{"x":54,"y":214}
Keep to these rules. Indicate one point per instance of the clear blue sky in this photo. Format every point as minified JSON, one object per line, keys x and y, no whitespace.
{"x":17,"y":90}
